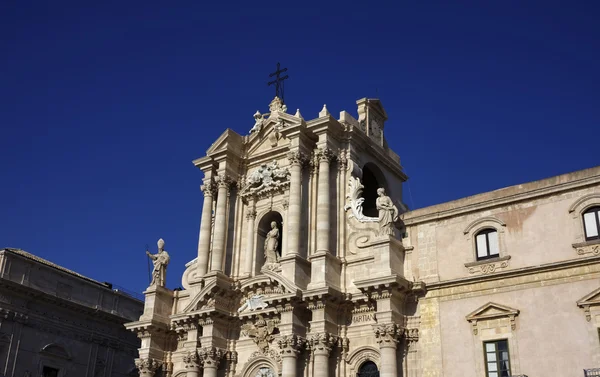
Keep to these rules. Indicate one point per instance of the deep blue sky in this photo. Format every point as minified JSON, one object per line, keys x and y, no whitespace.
{"x":103,"y":107}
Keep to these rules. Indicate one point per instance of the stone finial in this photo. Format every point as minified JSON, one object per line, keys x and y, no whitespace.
{"x":324,"y":112}
{"x":298,"y":115}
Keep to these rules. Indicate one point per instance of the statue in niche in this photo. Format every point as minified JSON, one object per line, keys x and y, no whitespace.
{"x":160,"y":261}
{"x":388,"y":213}
{"x":271,"y":245}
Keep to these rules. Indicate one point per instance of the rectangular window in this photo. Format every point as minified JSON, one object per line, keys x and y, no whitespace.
{"x":591,"y":226}
{"x":481,"y":246}
{"x":497,"y":363}
{"x":493,"y":240}
{"x":50,"y":372}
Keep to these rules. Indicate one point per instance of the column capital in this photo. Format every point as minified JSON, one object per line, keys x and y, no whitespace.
{"x":192,"y":360}
{"x":296,"y":158}
{"x":342,"y":158}
{"x":211,"y":356}
{"x":147,"y":367}
{"x":321,"y":344}
{"x":290,"y":345}
{"x":208,"y":188}
{"x":250,"y":214}
{"x":387,"y":335}
{"x":324,"y":154}
{"x":224,"y":181}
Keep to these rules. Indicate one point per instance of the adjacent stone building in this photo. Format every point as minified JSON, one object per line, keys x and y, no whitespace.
{"x":56,"y":323}
{"x":310,"y":265}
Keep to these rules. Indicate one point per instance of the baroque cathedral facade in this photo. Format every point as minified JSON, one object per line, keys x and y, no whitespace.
{"x":309,"y":264}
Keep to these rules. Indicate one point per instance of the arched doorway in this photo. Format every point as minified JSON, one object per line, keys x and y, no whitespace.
{"x":264,"y":227}
{"x":368,"y":369}
{"x":372,"y":179}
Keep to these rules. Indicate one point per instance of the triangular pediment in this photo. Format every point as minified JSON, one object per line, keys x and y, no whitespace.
{"x":591,"y":299}
{"x":270,"y":135}
{"x":492,"y":310}
{"x":228,"y":140}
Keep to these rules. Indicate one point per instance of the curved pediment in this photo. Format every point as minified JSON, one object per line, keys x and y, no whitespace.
{"x":55,"y":350}
{"x":270,"y":284}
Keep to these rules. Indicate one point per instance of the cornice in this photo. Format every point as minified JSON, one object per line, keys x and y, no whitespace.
{"x":430,"y":213}
{"x":524,"y":271}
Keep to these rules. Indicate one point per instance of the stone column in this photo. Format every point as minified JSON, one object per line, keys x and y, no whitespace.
{"x":325,"y":156}
{"x":205,"y":229}
{"x":211,"y":357}
{"x":250,"y":218}
{"x":320,"y":345}
{"x":192,"y":364}
{"x":290,"y":347}
{"x":147,"y":367}
{"x":220,"y":233}
{"x":387,"y":338}
{"x":294,"y":217}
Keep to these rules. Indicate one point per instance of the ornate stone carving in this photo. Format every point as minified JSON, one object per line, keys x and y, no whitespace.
{"x":160,"y":261}
{"x":588,"y":249}
{"x":271,"y":245}
{"x":277,"y":105}
{"x":208,"y":188}
{"x":355,"y":189}
{"x":250,"y":213}
{"x":261,"y":332}
{"x":265,"y":372}
{"x":322,"y":343}
{"x":488,"y":268}
{"x":192,"y":360}
{"x":210,"y":356}
{"x":224,"y":181}
{"x":387,"y":334}
{"x":147,"y":367}
{"x":296,"y":158}
{"x":259,"y":120}
{"x":267,"y":178}
{"x":342,"y":159}
{"x":388,"y":213}
{"x":325,"y":155}
{"x":272,"y":354}
{"x":290,"y":345}
{"x":253,"y":303}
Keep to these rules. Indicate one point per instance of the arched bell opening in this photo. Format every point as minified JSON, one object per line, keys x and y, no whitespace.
{"x":265,"y":226}
{"x":372,"y":179}
{"x":368,"y":369}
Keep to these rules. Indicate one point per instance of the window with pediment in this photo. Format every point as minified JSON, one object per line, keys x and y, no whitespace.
{"x":591,"y":223}
{"x":585,"y":215}
{"x":485,"y":236}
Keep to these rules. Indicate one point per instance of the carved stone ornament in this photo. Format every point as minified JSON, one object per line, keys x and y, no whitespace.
{"x":223,"y":181}
{"x":265,"y":372}
{"x":208,"y":188}
{"x":322,"y":343}
{"x":583,"y":249}
{"x":147,"y":366}
{"x":261,"y":332}
{"x":259,"y":120}
{"x":355,"y":189}
{"x":325,"y":155}
{"x":388,"y":213}
{"x":290,"y":345}
{"x":488,"y":268}
{"x":296,"y":158}
{"x":277,"y":106}
{"x":211,"y":356}
{"x":388,"y":334}
{"x":191,"y":360}
{"x":267,"y":178}
{"x":253,"y":303}
{"x":160,"y":261}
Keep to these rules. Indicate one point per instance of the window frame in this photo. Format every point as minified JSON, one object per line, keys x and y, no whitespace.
{"x":486,"y":231}
{"x":596,"y":211}
{"x":485,"y":360}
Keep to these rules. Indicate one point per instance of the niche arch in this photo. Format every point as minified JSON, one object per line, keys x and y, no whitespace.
{"x":264,"y":227}
{"x":372,"y":179}
{"x":363,"y":355}
{"x":253,"y":366}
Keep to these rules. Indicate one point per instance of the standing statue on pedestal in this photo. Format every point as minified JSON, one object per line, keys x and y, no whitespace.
{"x":388,"y":213}
{"x":160,"y":261}
{"x":271,"y":245}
